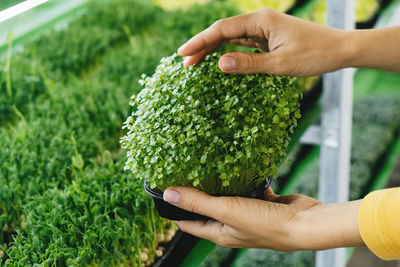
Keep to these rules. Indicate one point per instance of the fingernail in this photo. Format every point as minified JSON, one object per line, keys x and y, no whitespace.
{"x":171,"y":196}
{"x":227,"y":63}
{"x":185,"y":61}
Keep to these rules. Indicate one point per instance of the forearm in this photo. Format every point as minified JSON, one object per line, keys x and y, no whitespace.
{"x":328,"y":226}
{"x":375,"y":48}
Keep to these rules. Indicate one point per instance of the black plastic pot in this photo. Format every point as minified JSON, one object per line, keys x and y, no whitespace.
{"x":172,"y":212}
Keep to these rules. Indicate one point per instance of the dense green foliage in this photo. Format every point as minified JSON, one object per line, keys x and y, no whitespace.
{"x":287,"y":164}
{"x":58,"y":55}
{"x":63,"y":188}
{"x":75,"y":121}
{"x":107,"y":24}
{"x":102,"y":218}
{"x":69,"y":131}
{"x":201,"y":127}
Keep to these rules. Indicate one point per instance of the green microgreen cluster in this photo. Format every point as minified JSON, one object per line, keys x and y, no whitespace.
{"x":200,"y":127}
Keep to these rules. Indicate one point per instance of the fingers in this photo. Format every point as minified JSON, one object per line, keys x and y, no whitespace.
{"x":196,"y":58}
{"x":198,"y":202}
{"x":199,"y":56}
{"x":203,"y":229}
{"x":221,"y":30}
{"x":217,"y":232}
{"x":269,"y":194}
{"x":248,"y":63}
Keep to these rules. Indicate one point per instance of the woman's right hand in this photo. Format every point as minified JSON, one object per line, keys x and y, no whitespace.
{"x":293,"y":46}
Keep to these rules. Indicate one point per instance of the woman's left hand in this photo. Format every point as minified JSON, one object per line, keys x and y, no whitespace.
{"x":285,"y":223}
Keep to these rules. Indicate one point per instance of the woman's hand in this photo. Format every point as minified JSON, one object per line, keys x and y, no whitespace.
{"x":293,"y":46}
{"x":296,"y":47}
{"x":285,"y":223}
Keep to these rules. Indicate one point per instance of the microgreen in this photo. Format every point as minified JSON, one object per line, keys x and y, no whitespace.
{"x":200,"y":127}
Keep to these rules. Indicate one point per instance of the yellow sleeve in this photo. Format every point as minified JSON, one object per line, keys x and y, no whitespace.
{"x":379,"y":222}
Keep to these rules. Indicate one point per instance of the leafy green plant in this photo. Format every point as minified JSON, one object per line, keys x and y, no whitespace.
{"x":200,"y":127}
{"x":102,"y":218}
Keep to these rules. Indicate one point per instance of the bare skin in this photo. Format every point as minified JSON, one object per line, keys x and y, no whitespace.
{"x":297,"y":48}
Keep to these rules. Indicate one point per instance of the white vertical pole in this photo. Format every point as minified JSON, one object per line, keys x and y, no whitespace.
{"x":336,"y":121}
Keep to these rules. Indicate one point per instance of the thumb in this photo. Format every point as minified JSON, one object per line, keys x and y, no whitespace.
{"x":196,"y":201}
{"x":249,"y":63}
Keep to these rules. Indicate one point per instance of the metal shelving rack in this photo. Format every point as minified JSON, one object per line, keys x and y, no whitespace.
{"x":333,"y":135}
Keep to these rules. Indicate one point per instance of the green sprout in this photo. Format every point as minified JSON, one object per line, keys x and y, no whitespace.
{"x":199,"y":127}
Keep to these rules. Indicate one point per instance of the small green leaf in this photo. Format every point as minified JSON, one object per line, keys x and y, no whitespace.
{"x":203,"y":158}
{"x":77,"y":161}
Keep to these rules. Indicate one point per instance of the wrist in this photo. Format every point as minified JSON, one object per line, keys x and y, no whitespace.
{"x":338,"y":49}
{"x":348,"y":48}
{"x":372,"y":48}
{"x":327,"y":226}
{"x":304,"y":233}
